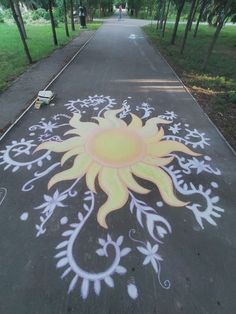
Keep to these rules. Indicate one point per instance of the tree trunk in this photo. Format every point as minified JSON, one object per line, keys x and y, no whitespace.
{"x":217,"y":21}
{"x":199,"y":17}
{"x":20,"y":19}
{"x":90,"y":13}
{"x":210,"y":49}
{"x":111,"y":8}
{"x":217,"y":32}
{"x":178,"y":15}
{"x":158,"y":18}
{"x":150,"y":9}
{"x":52,"y":23}
{"x":166,"y":17}
{"x":193,"y":15}
{"x":72,"y":15}
{"x":163,"y":15}
{"x":65,"y":18}
{"x":187,"y":26}
{"x":20,"y":31}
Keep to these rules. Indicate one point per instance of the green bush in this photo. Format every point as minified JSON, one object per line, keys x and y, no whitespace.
{"x":26,"y":16}
{"x":47,"y":16}
{"x":56,"y":22}
{"x":58,"y":14}
{"x":1,"y":18}
{"x":43,"y":13}
{"x":142,"y":15}
{"x":35,"y":15}
{"x":96,"y":13}
{"x":232,"y":97}
{"x":7,"y":14}
{"x":40,"y":13}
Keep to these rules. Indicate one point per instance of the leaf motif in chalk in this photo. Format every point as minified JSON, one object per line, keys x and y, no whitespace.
{"x":120,"y":240}
{"x":62,"y":262}
{"x":73,"y":283}
{"x":67,"y":233}
{"x":109,"y":281}
{"x":125,"y":251}
{"x":61,"y":245}
{"x":85,"y":288}
{"x":121,"y":270}
{"x":97,"y":287}
{"x":100,"y":252}
{"x":60,"y":254}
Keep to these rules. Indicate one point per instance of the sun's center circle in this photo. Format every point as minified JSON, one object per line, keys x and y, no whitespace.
{"x":117,"y":148}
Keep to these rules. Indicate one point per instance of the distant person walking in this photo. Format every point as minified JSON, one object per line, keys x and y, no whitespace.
{"x":120,"y":13}
{"x":82,"y":16}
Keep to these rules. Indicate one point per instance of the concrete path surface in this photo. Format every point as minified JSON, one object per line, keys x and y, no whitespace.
{"x":15,"y":99}
{"x":119,"y":197}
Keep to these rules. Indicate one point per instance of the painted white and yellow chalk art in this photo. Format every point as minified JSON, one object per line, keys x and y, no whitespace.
{"x":114,"y":152}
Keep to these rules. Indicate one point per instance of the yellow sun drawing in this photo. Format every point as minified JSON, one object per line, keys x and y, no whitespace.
{"x":114,"y":151}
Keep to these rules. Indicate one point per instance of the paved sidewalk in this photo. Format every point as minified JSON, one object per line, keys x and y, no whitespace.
{"x":25,"y":88}
{"x":121,"y":197}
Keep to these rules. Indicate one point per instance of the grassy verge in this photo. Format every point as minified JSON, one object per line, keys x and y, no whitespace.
{"x":12,"y":56}
{"x":215,"y":89}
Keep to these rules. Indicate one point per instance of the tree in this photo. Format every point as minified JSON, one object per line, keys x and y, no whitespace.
{"x":135,"y":5}
{"x":166,"y":17}
{"x":150,"y":4}
{"x":163,"y":12}
{"x":202,"y":8}
{"x":91,"y":6}
{"x":15,"y":16}
{"x":160,"y":13}
{"x":65,"y":18}
{"x":6,"y":4}
{"x":52,"y":22}
{"x":187,"y":25}
{"x":226,"y":9}
{"x":193,"y":15}
{"x":20,"y":19}
{"x":35,"y":4}
{"x":72,"y":15}
{"x":179,"y":6}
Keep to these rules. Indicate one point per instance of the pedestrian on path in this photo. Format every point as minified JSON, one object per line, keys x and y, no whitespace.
{"x":120,"y":13}
{"x":82,"y":15}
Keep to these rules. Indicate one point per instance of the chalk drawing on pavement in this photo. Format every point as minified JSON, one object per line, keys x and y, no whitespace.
{"x":3,"y":194}
{"x":24,"y":216}
{"x":114,"y":151}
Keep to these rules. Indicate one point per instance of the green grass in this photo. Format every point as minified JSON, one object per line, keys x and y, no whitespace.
{"x":13,"y":61}
{"x":215,"y":88}
{"x":221,"y":70}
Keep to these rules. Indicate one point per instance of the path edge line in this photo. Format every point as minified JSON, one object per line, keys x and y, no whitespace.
{"x":46,"y":87}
